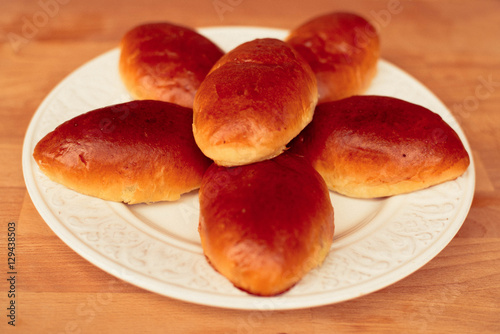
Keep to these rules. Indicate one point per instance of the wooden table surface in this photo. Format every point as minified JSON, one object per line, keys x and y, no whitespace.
{"x":453,"y":47}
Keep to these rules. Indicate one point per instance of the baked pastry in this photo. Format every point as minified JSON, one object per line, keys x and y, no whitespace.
{"x":342,"y":50}
{"x":265,"y":225}
{"x":376,"y":146}
{"x":255,"y":99}
{"x":140,"y":151}
{"x":166,"y":62}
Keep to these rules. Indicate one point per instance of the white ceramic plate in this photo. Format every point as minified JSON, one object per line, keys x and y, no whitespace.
{"x":156,"y":247}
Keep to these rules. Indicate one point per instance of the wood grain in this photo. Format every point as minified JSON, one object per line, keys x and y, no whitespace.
{"x":450,"y":46}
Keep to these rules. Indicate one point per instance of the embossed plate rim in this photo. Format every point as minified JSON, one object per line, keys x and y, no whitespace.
{"x":426,"y":232}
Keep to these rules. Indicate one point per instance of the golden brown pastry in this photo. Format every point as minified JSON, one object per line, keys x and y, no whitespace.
{"x":265,"y":225}
{"x":253,"y":102}
{"x":140,"y":151}
{"x":375,"y":146}
{"x":342,"y":49}
{"x":166,"y":62}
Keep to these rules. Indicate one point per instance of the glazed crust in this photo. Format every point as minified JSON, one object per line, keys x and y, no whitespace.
{"x":342,"y":49}
{"x":265,"y":225}
{"x":253,"y":102}
{"x":166,"y":62}
{"x":141,"y":151}
{"x":376,"y":146}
